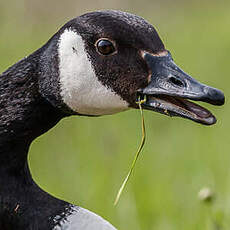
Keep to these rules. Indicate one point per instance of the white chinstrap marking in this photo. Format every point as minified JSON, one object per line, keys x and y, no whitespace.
{"x":80,"y":88}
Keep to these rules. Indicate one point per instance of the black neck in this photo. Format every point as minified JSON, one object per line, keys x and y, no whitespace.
{"x":26,"y":112}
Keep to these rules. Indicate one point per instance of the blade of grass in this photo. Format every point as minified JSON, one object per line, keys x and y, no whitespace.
{"x":139,"y":102}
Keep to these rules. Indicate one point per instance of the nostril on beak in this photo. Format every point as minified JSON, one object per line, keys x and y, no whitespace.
{"x":176,"y":81}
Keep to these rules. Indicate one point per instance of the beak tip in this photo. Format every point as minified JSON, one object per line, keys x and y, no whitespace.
{"x":222,"y":99}
{"x":213,"y":96}
{"x":217,"y":96}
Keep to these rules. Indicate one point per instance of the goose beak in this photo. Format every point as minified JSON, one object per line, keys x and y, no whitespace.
{"x":170,"y":90}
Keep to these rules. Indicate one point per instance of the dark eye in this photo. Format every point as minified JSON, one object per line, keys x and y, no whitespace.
{"x":105,"y":47}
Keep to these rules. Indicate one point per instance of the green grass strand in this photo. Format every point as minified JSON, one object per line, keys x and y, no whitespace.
{"x":136,"y":155}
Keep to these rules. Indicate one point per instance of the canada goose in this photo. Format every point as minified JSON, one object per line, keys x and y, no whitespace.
{"x":96,"y":64}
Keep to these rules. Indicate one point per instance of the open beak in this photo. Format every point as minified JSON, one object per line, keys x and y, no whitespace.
{"x":170,"y":88}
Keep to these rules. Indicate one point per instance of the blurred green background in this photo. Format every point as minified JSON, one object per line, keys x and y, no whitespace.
{"x":84,"y":160}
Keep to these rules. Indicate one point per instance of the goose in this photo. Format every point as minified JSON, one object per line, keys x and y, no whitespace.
{"x":97,"y":64}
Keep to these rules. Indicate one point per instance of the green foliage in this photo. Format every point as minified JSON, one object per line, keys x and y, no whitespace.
{"x":83,"y":160}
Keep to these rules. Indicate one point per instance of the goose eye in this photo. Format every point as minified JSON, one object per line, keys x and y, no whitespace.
{"x":105,"y":47}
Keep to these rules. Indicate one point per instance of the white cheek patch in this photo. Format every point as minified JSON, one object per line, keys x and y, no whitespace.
{"x":80,"y":88}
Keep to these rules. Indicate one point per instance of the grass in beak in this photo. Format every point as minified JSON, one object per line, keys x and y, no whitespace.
{"x":139,"y":102}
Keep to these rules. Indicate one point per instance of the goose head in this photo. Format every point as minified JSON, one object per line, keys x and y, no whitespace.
{"x":106,"y":60}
